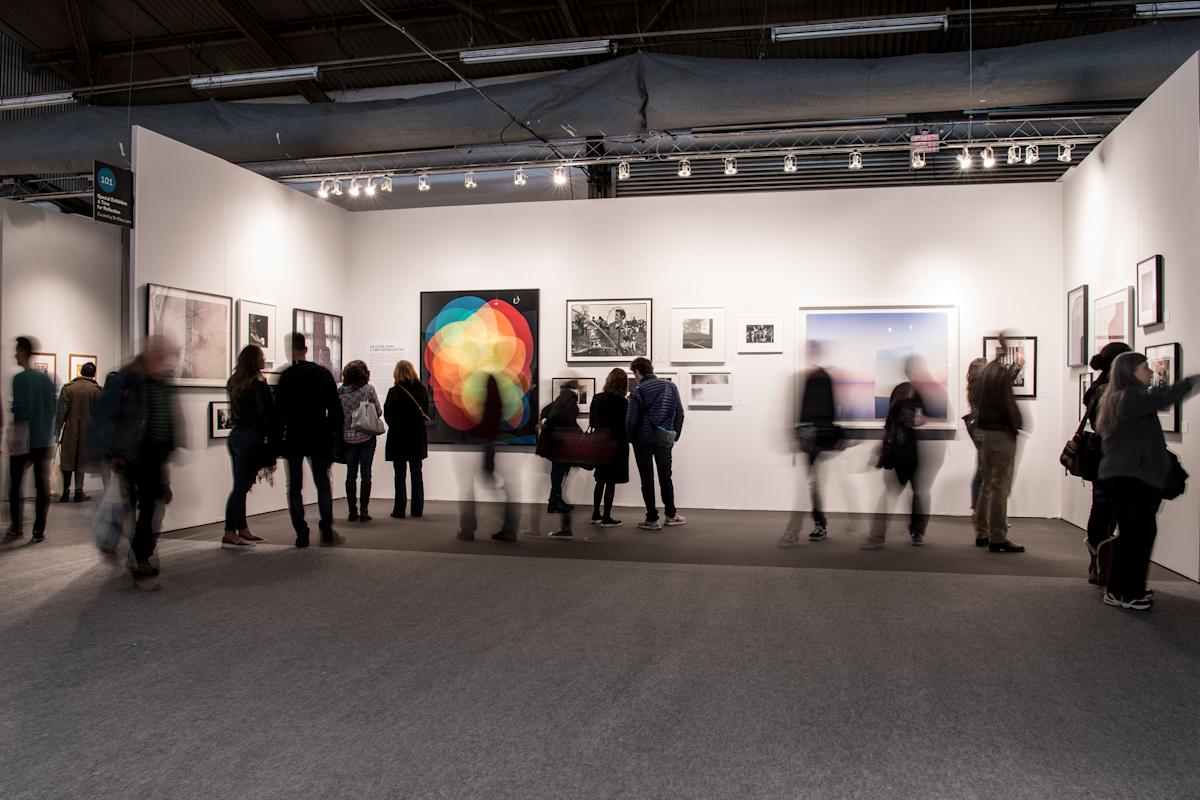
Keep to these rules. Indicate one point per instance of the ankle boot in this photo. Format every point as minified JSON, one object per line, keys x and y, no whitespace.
{"x":352,"y":500}
{"x":363,"y":516}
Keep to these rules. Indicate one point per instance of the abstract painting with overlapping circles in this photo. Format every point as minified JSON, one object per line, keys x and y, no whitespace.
{"x":467,"y":340}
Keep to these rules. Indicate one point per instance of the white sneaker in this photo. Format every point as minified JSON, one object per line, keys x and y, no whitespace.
{"x":678,"y":519}
{"x":1141,"y":604}
{"x":789,"y":539}
{"x":648,"y":525}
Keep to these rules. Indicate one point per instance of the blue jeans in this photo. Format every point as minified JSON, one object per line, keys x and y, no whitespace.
{"x":240,"y":444}
{"x":360,"y":458}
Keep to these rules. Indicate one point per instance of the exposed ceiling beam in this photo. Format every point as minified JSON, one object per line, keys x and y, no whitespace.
{"x":83,"y":56}
{"x":663,"y":9}
{"x":487,"y":19}
{"x":569,"y":16}
{"x":268,"y":46}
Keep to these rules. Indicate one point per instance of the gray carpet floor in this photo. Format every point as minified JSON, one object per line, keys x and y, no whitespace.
{"x":365,"y":672}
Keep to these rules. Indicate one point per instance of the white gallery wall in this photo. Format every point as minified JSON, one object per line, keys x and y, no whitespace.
{"x":1135,"y":196}
{"x":993,"y":251}
{"x":61,"y":283}
{"x":206,"y":225}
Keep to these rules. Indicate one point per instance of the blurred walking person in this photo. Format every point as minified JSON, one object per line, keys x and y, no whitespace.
{"x":816,"y":434}
{"x":1102,"y":520}
{"x":406,"y":411}
{"x":75,"y":405}
{"x":559,"y":418}
{"x":251,"y":443}
{"x":31,"y":441}
{"x":971,"y":420}
{"x":654,"y":423}
{"x":999,"y":425}
{"x":360,"y":441}
{"x":607,"y":417}
{"x":900,"y":455}
{"x":485,"y":435}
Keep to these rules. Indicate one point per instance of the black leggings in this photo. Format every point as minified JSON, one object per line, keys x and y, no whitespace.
{"x":605,"y":492}
{"x":1136,"y":505}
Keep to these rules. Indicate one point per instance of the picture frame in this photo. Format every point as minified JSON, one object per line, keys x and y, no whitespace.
{"x":220,"y":419}
{"x":609,"y":331}
{"x":1112,"y":319}
{"x":1166,"y":365}
{"x":45,"y":362}
{"x":1077,"y":326}
{"x":201,"y":325}
{"x":760,"y":334}
{"x":323,"y":335}
{"x":710,"y":389}
{"x":1085,"y":383}
{"x":1149,"y":291}
{"x":75,"y":362}
{"x":1025,"y":383}
{"x":587,"y":391}
{"x":256,"y":325}
{"x":669,"y":376}
{"x":698,"y":335}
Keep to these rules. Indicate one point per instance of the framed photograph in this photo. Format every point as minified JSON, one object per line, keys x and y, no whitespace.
{"x":323,"y":334}
{"x":760,"y":335}
{"x":1025,"y":384}
{"x":220,"y":419}
{"x":710,"y":389}
{"x":75,"y":362}
{"x":670,"y":377}
{"x":201,"y":325}
{"x":256,"y":325}
{"x":609,"y":330}
{"x":869,"y":350}
{"x":1077,"y":327}
{"x":698,"y":335}
{"x":587,"y":390}
{"x":45,"y":362}
{"x":1149,"y":292}
{"x":1085,"y":383}
{"x":1166,"y":366}
{"x":1112,"y":319}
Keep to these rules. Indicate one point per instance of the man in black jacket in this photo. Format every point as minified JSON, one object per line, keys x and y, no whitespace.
{"x":999,"y":423}
{"x":310,"y":414}
{"x":816,"y":433}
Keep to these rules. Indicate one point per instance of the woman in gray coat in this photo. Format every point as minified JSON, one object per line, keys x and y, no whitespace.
{"x":1135,"y":468}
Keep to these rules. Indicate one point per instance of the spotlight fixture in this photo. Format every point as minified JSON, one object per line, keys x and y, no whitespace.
{"x":730,"y":166}
{"x":560,"y":175}
{"x":560,"y":50}
{"x":1154,"y":10}
{"x":623,"y":171}
{"x":255,"y":78}
{"x":370,"y":187}
{"x":385,"y":183}
{"x":36,"y":101}
{"x":1065,"y":152}
{"x":917,"y":160}
{"x":323,"y":192}
{"x":988,"y":158}
{"x":855,"y":160}
{"x":685,"y":168}
{"x":519,"y":177}
{"x":1014,"y":154}
{"x":469,"y":181}
{"x":423,"y":182}
{"x":789,"y":163}
{"x":336,"y":190}
{"x":354,"y":190}
{"x":964,"y":158}
{"x":1031,"y":154}
{"x":861,"y":27}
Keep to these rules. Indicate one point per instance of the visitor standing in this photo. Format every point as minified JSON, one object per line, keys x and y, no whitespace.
{"x":816,"y":434}
{"x":971,"y":420}
{"x":1136,"y":469}
{"x":900,"y":455}
{"x":559,"y":418}
{"x":360,"y":442}
{"x":654,"y":423}
{"x":999,"y":424}
{"x":607,"y":417}
{"x":310,"y":412}
{"x":1102,"y":520}
{"x":31,"y":441}
{"x":406,"y":411}
{"x":75,"y":405}
{"x":251,"y":443}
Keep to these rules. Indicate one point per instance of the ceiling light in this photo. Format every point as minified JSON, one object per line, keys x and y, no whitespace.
{"x":36,"y":101}
{"x":1031,"y":154}
{"x":917,"y":160}
{"x":1166,"y":9}
{"x":1014,"y":154}
{"x":730,"y":166}
{"x":385,"y":183}
{"x":623,"y":171}
{"x":423,"y":182}
{"x":519,"y":176}
{"x":855,"y":160}
{"x":988,"y":157}
{"x":560,"y":175}
{"x":685,"y":168}
{"x":323,"y":192}
{"x":862,"y":27}
{"x":533,"y":51}
{"x":964,"y":158}
{"x":469,"y":180}
{"x":1065,"y":152}
{"x":255,"y":78}
{"x":370,"y":188}
{"x":354,"y":187}
{"x":336,"y":191}
{"x":789,"y":163}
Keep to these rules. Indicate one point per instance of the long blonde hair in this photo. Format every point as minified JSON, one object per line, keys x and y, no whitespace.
{"x":404,"y":372}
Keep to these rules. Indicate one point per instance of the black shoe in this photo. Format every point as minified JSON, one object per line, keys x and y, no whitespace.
{"x":364,"y":517}
{"x":82,"y":498}
{"x":609,"y":522}
{"x":561,"y":533}
{"x":504,"y":536}
{"x":146,"y":570}
{"x":66,"y":497}
{"x":466,"y":536}
{"x":981,"y":542}
{"x":597,"y":517}
{"x":302,"y":540}
{"x":331,"y":539}
{"x":353,"y":516}
{"x":38,"y":536}
{"x":13,"y":534}
{"x":397,"y":514}
{"x":1005,"y":547}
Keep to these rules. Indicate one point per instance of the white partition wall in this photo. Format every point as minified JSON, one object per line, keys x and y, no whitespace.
{"x":206,"y":225}
{"x":1136,"y":196}
{"x":993,"y":251}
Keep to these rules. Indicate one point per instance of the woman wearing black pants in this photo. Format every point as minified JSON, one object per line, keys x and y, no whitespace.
{"x":406,"y":412}
{"x":1135,"y":467}
{"x":252,"y":410}
{"x":608,"y":414}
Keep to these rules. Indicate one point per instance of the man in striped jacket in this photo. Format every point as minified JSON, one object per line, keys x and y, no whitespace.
{"x":654,"y":423}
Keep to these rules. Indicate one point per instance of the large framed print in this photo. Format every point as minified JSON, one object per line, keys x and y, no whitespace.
{"x":760,"y":334}
{"x":609,"y":330}
{"x":710,"y":389}
{"x":323,"y":335}
{"x":1149,"y":292}
{"x":256,"y":326}
{"x":200,"y":324}
{"x":1112,"y":319}
{"x":1007,"y":352}
{"x":469,"y":338}
{"x":698,"y":335}
{"x":869,"y":350}
{"x":1166,"y":369}
{"x":220,"y":419}
{"x":1077,"y":327}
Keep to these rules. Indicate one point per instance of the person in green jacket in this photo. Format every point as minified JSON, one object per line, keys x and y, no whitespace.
{"x":31,"y":440}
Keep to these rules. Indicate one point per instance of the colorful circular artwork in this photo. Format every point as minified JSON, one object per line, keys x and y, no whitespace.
{"x":469,"y":340}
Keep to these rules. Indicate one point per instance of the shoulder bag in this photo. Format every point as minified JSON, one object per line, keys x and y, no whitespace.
{"x":1081,"y":455}
{"x":1176,"y":478}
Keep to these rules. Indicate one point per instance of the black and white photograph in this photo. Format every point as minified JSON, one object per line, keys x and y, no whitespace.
{"x":256,"y":326}
{"x":698,"y":335}
{"x":1165,"y":369}
{"x":760,"y":334}
{"x":1025,"y":383}
{"x":609,"y":330}
{"x":587,"y":390}
{"x":710,"y":389}
{"x":220,"y":419}
{"x":1085,"y":383}
{"x":1149,"y":292}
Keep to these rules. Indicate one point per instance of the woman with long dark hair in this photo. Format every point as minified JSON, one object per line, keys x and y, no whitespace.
{"x":608,"y":411}
{"x":1135,"y":467}
{"x":1102,"y":521}
{"x":406,"y":411}
{"x":250,"y":444}
{"x":360,"y":445}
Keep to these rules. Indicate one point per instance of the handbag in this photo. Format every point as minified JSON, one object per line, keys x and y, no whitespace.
{"x":1176,"y":479}
{"x":112,"y":517}
{"x":366,"y":419}
{"x":587,"y":450}
{"x":1081,"y":455}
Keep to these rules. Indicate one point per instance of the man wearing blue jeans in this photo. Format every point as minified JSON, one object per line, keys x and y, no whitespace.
{"x":654,"y":423}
